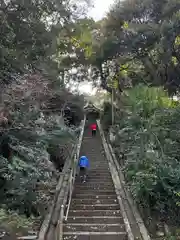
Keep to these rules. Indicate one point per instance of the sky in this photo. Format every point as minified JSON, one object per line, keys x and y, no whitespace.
{"x":97,"y":13}
{"x":100,"y":9}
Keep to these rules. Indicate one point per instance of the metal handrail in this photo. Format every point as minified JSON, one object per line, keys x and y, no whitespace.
{"x":71,"y":184}
{"x":65,"y":211}
{"x":143,"y":231}
{"x":59,"y":230}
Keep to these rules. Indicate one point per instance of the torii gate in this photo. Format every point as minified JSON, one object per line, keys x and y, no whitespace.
{"x":92,"y":112}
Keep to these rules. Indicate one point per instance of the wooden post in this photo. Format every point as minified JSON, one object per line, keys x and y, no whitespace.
{"x":112,"y":104}
{"x":61,"y":223}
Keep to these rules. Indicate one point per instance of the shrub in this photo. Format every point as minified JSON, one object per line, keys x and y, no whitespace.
{"x":148,"y":134}
{"x":13,"y":222}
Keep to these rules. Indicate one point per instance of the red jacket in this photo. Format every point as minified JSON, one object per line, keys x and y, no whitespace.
{"x":93,"y":127}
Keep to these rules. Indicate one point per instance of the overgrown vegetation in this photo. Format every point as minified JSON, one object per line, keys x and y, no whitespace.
{"x":49,"y":45}
{"x":39,"y":116}
{"x":147,"y":145}
{"x":139,"y":62}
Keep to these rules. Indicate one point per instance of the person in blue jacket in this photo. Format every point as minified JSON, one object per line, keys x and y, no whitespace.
{"x":83,"y":165}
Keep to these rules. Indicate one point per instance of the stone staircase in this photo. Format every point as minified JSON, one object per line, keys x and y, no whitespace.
{"x":94,"y":212}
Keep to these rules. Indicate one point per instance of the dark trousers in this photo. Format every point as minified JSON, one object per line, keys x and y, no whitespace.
{"x":93,"y":132}
{"x":83,"y":173}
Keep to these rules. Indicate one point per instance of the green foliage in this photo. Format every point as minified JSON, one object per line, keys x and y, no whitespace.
{"x":148,"y":136}
{"x":144,"y":35}
{"x":29,"y":35}
{"x":106,"y":118}
{"x":144,"y":101}
{"x":15,"y":222}
{"x":30,"y":171}
{"x":33,"y":97}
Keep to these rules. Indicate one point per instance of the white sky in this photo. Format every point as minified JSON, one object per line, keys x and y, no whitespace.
{"x":98,"y":12}
{"x":100,"y":9}
{"x":87,"y":88}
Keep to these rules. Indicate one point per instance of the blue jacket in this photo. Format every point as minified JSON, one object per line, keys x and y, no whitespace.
{"x":83,"y":162}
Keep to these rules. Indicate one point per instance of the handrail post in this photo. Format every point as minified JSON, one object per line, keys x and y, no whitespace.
{"x":70,"y":190}
{"x":71,"y":184}
{"x":70,"y":194}
{"x":60,"y":224}
{"x":74,"y":171}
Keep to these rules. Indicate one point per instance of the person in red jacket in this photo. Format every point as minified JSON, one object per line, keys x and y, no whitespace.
{"x":93,"y":129}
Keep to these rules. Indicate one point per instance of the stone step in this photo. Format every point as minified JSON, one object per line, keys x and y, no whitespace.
{"x":99,"y":178}
{"x":87,"y":185}
{"x":94,"y":207}
{"x":79,"y":184}
{"x":94,"y":201}
{"x":96,"y":219}
{"x":94,"y":191}
{"x":99,"y":175}
{"x":99,"y":170}
{"x":96,"y":158}
{"x":95,"y":236}
{"x":94,"y":196}
{"x":95,"y":170}
{"x":90,"y":180}
{"x":94,"y":227}
{"x":99,"y":188}
{"x":93,"y":180}
{"x":106,"y":178}
{"x":94,"y":213}
{"x":99,"y":164}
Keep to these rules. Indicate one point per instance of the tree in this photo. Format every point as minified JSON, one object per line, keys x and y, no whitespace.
{"x":144,"y":42}
{"x":147,"y":30}
{"x":33,"y":100}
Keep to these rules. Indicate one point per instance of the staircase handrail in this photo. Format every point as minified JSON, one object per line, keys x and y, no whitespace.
{"x":48,"y":219}
{"x":69,"y":188}
{"x":142,"y":228}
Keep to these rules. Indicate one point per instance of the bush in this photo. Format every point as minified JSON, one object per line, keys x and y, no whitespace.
{"x":28,"y":176}
{"x":148,"y":134}
{"x":106,"y":118}
{"x":13,"y":222}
